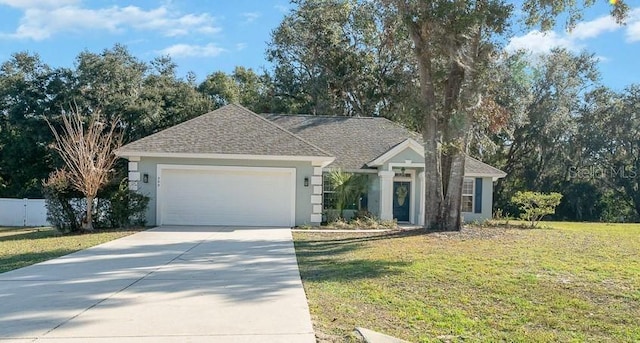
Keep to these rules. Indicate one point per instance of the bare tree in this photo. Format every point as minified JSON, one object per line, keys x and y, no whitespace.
{"x":88,"y":154}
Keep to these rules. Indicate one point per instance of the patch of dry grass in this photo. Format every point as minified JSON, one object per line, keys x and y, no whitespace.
{"x":569,"y":282}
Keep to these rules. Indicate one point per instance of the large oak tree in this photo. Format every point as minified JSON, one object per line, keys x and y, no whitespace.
{"x":454,"y":41}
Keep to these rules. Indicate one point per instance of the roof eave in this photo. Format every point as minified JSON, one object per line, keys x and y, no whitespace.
{"x":398,"y":148}
{"x":493,"y":176}
{"x":354,"y":170}
{"x":321,"y":161}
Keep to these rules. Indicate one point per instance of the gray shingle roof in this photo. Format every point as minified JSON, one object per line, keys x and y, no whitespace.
{"x":231,"y":129}
{"x":473,"y":166}
{"x":353,"y":141}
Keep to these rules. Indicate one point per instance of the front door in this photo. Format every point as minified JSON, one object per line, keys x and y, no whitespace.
{"x":401,"y":199}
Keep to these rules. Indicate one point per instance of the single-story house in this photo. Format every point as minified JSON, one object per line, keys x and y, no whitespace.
{"x":234,"y":167}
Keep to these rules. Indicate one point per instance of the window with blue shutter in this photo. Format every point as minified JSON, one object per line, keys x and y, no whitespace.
{"x":467,"y":195}
{"x":478,"y":196}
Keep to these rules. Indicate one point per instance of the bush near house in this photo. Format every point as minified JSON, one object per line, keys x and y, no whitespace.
{"x":127,"y":208}
{"x":363,"y":223}
{"x":64,"y":206}
{"x":116,"y":207}
{"x":348,"y":189}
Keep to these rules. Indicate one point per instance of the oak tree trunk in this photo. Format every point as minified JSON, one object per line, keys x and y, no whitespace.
{"x":451,"y":216}
{"x":432,"y":174}
{"x":432,"y":166}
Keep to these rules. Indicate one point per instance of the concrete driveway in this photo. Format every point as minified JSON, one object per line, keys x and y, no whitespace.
{"x":169,"y":284}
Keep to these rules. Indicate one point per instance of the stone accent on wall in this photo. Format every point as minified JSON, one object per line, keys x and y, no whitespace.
{"x":134,"y":176}
{"x":316,"y":196}
{"x":317,"y":209}
{"x":317,"y":190}
{"x":316,"y":180}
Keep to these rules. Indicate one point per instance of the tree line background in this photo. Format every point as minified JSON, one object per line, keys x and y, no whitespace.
{"x":550,"y":123}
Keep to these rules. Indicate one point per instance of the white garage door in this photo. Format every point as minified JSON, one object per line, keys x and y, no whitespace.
{"x":246,"y":196}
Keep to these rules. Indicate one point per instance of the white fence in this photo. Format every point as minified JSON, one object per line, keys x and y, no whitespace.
{"x":23,"y":212}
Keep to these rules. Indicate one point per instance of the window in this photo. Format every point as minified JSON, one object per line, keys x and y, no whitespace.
{"x":328,"y":198}
{"x":467,"y":195}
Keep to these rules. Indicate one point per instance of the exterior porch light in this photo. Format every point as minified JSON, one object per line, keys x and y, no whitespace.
{"x":145,"y":178}
{"x":402,"y":171}
{"x":306,"y":181}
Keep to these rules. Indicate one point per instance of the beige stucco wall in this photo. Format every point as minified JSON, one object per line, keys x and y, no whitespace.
{"x":487,"y":203}
{"x":414,"y":157}
{"x":148,"y":165}
{"x":406,"y":154}
{"x":303,"y":206}
{"x":374,"y":195}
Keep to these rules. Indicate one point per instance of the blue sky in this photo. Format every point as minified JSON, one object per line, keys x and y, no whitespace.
{"x":207,"y":36}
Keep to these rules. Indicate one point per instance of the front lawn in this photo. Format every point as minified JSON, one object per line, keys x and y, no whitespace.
{"x":20,"y":247}
{"x":570,"y":282}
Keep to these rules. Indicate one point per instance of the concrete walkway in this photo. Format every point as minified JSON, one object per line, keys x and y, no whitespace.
{"x":169,"y":284}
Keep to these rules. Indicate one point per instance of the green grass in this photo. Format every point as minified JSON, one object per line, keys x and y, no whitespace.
{"x":21,"y":247}
{"x":569,"y":282}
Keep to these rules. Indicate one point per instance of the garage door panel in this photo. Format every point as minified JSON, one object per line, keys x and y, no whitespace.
{"x":228,"y":196}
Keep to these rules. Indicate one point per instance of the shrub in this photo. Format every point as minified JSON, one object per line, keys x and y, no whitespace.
{"x":363,"y":214}
{"x":116,"y":207}
{"x":390,"y":224}
{"x":331,"y":216}
{"x":64,"y":209}
{"x":369,"y":222}
{"x":341,"y":224}
{"x":535,"y":205}
{"x":347,"y":189}
{"x":127,"y":208}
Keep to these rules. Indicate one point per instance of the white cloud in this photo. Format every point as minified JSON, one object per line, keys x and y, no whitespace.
{"x":633,"y":32}
{"x":250,"y":17}
{"x":43,"y":19}
{"x":188,"y":50}
{"x":540,"y":42}
{"x":241,"y":46}
{"x":209,"y":30}
{"x":633,"y":26}
{"x":593,"y":28}
{"x":24,"y":4}
{"x":282,"y":8}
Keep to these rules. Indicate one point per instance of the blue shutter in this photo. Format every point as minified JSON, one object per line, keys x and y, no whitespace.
{"x":478,"y":196}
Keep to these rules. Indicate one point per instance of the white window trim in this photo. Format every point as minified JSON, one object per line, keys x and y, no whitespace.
{"x":472,"y":195}
{"x":324,"y":191}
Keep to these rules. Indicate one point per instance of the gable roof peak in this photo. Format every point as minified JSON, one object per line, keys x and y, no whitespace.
{"x":232,"y":130}
{"x":278,"y":126}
